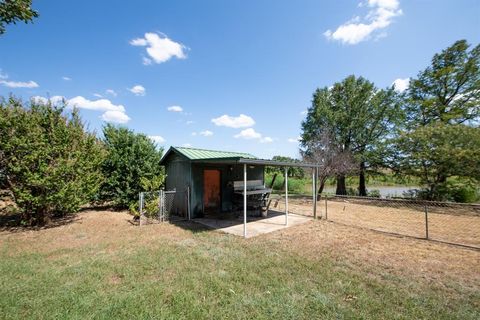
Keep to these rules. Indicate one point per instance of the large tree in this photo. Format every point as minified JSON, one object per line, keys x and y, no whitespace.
{"x":441,"y":134}
{"x":132,"y":165}
{"x":47,"y":159}
{"x":447,"y":91}
{"x":12,"y":11}
{"x":357,"y":117}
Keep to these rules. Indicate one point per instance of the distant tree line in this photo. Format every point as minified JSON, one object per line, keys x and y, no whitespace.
{"x":430,"y":131}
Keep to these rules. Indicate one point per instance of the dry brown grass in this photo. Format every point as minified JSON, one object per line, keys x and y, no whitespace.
{"x":382,"y":255}
{"x":444,"y":224}
{"x":376,"y":253}
{"x":397,"y":262}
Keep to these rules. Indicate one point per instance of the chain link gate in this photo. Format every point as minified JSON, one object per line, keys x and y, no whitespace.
{"x":158,"y":206}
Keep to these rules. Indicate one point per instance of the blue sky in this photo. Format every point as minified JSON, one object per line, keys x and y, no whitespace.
{"x":228,"y":75}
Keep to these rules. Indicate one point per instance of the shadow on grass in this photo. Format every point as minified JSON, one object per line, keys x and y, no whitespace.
{"x":188,"y":225}
{"x":12,"y":222}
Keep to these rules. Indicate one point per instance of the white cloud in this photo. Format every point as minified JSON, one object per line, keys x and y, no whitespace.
{"x":138,"y":90}
{"x":380,"y":15}
{"x":111,"y":92}
{"x":401,"y":84}
{"x":19,"y":84}
{"x":111,"y":112}
{"x":241,"y":121}
{"x":294,"y":140}
{"x":98,"y":95}
{"x":160,"y":48}
{"x":186,"y":145}
{"x":175,"y":109}
{"x":190,"y":122}
{"x":66,"y":78}
{"x":99,"y":105}
{"x":251,"y":134}
{"x":194,"y":134}
{"x":157,"y":139}
{"x":304,"y":112}
{"x":115,"y":116}
{"x":266,"y":140}
{"x":3,"y":75}
{"x":206,"y":133}
{"x":53,"y":100}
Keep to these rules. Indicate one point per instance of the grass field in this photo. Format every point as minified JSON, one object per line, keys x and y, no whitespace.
{"x":100,"y":266}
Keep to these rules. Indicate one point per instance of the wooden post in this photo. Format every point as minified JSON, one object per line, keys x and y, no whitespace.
{"x":326,"y":208}
{"x":426,"y":222}
{"x":286,"y":196}
{"x":244,"y":200}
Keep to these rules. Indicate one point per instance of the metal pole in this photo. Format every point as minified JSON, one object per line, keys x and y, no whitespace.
{"x":426,"y":222}
{"x":286,"y":196}
{"x":314,"y":192}
{"x":244,"y":200}
{"x":326,"y":208}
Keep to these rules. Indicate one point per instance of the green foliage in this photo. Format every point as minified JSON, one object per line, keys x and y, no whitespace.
{"x":12,"y":11}
{"x":356,"y":116}
{"x":132,"y":165}
{"x":441,"y":137}
{"x":49,"y":162}
{"x":292,"y":171}
{"x":448,"y":91}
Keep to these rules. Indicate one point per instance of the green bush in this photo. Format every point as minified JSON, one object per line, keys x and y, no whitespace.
{"x":132,"y":165}
{"x":47,"y":159}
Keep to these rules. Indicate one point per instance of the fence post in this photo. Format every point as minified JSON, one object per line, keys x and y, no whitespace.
{"x":159,"y":205}
{"x":326,"y":207}
{"x":426,"y":221}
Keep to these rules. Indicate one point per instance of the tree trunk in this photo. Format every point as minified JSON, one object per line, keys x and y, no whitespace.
{"x":362,"y":187}
{"x":341,"y":185}
{"x":321,"y":187}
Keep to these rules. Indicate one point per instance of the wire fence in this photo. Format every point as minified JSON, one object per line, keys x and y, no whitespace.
{"x":454,"y":223}
{"x":159,"y":206}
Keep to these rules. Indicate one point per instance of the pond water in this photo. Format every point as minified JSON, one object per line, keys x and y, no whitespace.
{"x":385,"y":191}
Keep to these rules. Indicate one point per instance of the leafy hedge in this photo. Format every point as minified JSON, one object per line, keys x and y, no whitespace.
{"x":47,"y":160}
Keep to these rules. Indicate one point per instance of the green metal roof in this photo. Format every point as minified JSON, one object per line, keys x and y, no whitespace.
{"x":203,"y":154}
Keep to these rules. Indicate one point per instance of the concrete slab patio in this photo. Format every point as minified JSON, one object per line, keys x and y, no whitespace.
{"x":255,"y":226}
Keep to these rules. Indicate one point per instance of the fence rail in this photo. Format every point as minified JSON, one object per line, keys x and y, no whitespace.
{"x":453,"y":223}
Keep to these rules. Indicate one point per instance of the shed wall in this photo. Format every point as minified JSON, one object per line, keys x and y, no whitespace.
{"x":177,"y":169}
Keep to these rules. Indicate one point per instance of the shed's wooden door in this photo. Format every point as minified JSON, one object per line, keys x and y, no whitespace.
{"x":211,"y":190}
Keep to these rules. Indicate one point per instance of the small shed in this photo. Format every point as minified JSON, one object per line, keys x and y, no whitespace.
{"x":210,"y":178}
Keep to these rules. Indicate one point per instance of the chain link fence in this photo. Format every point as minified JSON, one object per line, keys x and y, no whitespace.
{"x":454,"y":223}
{"x":159,"y":206}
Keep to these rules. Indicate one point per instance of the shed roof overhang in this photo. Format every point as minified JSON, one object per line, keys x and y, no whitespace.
{"x":274,"y":163}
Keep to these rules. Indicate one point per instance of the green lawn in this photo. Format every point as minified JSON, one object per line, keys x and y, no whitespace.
{"x":90,"y":269}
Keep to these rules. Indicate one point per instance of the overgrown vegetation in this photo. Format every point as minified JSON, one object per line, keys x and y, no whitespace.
{"x":132,"y":165}
{"x":47,"y":159}
{"x":52,"y":165}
